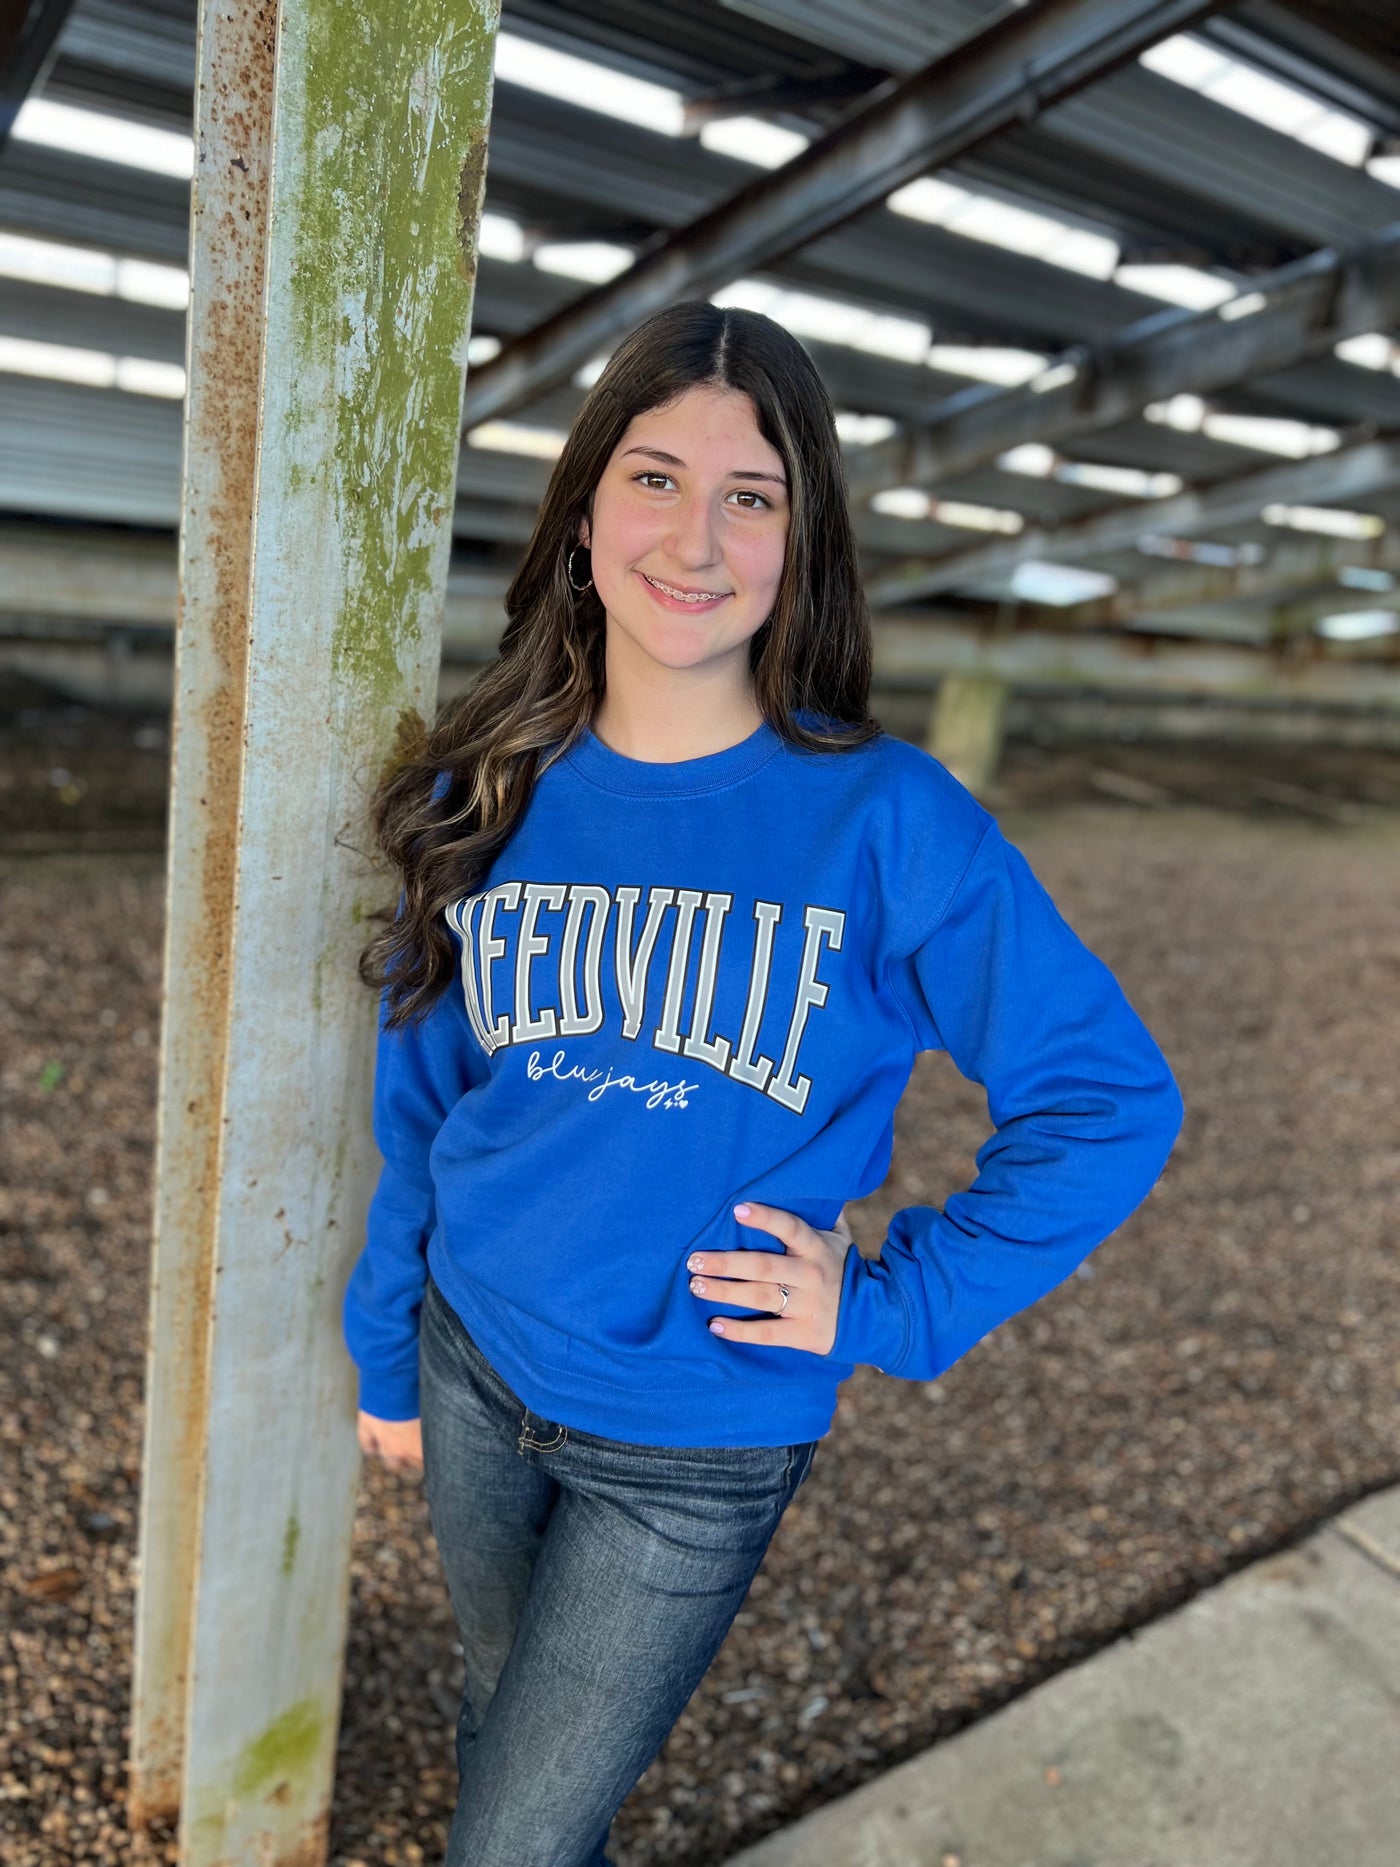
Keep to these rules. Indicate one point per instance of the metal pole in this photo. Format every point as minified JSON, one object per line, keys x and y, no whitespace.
{"x":228,"y":233}
{"x":371,"y":174}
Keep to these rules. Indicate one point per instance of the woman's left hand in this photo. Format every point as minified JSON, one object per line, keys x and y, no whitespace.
{"x":812,"y":1266}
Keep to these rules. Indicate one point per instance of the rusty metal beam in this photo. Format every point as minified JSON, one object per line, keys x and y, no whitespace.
{"x":1022,"y":63}
{"x":334,"y":214}
{"x":1304,"y":310}
{"x":1350,"y":473}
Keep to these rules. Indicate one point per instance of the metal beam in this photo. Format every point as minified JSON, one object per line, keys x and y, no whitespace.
{"x":1297,"y":563}
{"x":1305,"y":309}
{"x":911,"y":655}
{"x":1256,"y":626}
{"x":77,"y":588}
{"x":915,"y":651}
{"x":1351,"y":473}
{"x":325,"y":388}
{"x":99,"y":575}
{"x":1304,"y":48}
{"x":29,"y":31}
{"x":765,"y":96}
{"x":1021,"y":64}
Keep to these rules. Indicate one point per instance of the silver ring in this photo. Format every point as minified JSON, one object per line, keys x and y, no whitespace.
{"x":786,"y":1294}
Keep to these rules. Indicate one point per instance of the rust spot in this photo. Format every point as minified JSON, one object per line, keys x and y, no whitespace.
{"x":150,"y":1805}
{"x":310,"y":1847}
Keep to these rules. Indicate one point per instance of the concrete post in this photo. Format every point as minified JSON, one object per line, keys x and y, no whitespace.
{"x":340,"y":164}
{"x":965,"y":726}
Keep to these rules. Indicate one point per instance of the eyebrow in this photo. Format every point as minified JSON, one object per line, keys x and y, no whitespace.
{"x":736,"y":473}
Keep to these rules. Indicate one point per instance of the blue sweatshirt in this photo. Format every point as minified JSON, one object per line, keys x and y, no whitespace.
{"x":685,"y":985}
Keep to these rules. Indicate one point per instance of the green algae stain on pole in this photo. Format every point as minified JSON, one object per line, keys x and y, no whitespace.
{"x":393,"y":167}
{"x":287,"y":1748}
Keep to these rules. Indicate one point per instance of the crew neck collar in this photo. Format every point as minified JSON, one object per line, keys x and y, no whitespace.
{"x":686,"y":777}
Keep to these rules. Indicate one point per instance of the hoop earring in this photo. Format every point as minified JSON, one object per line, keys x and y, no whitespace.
{"x":569,"y":571}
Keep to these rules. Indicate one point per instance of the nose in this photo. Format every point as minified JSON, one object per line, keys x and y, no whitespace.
{"x":694,"y":541}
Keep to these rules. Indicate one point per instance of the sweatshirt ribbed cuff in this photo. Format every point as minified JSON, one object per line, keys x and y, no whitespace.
{"x":389,"y":1396}
{"x":871,"y":1324}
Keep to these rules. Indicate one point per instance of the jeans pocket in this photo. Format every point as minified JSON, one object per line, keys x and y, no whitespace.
{"x":435,"y":1305}
{"x":800,"y":1458}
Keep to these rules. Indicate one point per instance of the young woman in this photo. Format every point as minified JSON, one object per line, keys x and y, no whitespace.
{"x":676,"y":917}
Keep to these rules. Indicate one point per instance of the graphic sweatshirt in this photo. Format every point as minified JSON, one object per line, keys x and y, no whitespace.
{"x":686,"y":985}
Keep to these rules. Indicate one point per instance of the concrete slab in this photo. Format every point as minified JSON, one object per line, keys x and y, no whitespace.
{"x":1258,"y":1726}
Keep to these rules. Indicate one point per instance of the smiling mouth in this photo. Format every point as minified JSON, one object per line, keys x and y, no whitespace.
{"x":685,"y":596}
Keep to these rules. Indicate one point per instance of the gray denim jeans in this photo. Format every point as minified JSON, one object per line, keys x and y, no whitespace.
{"x":593,"y":1582}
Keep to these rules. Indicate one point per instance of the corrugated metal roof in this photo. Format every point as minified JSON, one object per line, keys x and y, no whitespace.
{"x":1170,"y":173}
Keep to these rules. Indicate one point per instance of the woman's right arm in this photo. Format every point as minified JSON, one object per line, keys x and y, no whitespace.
{"x":421,"y":1072}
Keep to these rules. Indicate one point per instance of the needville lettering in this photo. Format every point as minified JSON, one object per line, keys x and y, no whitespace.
{"x":545,"y":975}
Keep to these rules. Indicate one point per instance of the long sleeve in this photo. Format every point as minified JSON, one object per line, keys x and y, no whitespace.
{"x":1085,"y":1107}
{"x":421,"y":1072}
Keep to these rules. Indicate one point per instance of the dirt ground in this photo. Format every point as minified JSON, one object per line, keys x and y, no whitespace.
{"x":1217,"y":1377}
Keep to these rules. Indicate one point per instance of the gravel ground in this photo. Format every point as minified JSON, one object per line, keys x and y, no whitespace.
{"x":1218,"y":1377}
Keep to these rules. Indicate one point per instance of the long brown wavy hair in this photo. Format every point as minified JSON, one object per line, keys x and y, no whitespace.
{"x":539,"y":694}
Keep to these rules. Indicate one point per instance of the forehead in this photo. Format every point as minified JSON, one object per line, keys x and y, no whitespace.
{"x":709,"y":421}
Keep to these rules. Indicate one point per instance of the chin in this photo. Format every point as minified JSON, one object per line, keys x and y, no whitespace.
{"x":670,"y":655}
{"x":682,"y":646}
